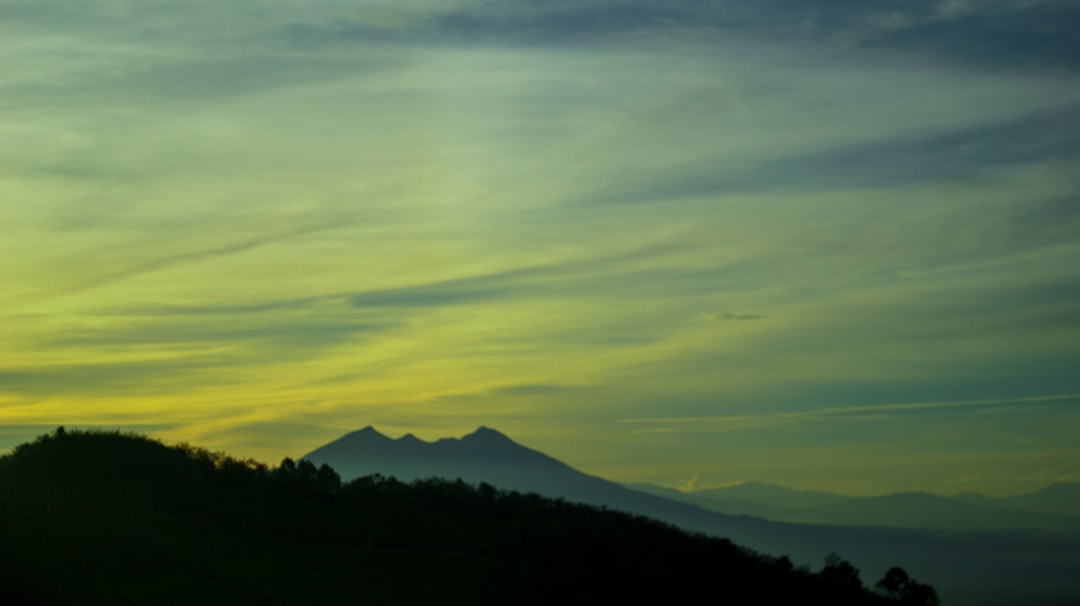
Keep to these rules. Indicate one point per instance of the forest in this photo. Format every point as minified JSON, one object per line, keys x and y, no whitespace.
{"x":106,"y":517}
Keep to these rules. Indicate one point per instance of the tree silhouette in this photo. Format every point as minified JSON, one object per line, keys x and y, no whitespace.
{"x":902,"y":589}
{"x":843,"y":580}
{"x":838,"y":571}
{"x":327,"y":481}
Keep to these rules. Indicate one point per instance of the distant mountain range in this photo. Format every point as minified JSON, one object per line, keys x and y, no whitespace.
{"x":1056,"y":507}
{"x":968,"y":567}
{"x":482,"y":456}
{"x":487,"y":455}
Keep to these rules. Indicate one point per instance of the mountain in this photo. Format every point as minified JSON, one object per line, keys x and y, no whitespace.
{"x":487,"y":455}
{"x":482,"y":456}
{"x":1045,"y":510}
{"x":1062,"y":498}
{"x":968,"y":568}
{"x":103,"y":518}
{"x":761,"y":492}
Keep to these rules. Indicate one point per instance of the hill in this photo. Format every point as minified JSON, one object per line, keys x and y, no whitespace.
{"x":968,"y":567}
{"x":109,"y":518}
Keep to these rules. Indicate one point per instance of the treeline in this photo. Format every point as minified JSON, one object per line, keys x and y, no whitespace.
{"x":114,"y":518}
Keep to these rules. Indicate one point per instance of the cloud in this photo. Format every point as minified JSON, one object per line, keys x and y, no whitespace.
{"x":536,"y":389}
{"x":207,"y":254}
{"x":995,"y":34}
{"x":125,"y":378}
{"x":960,"y":154}
{"x":554,"y":190}
{"x":288,"y":332}
{"x":1018,"y":35}
{"x":464,"y":291}
{"x":943,"y":154}
{"x":872,"y":413}
{"x":243,"y":309}
{"x":713,"y":317}
{"x":557,"y":22}
{"x":692,"y":484}
{"x":607,"y":273}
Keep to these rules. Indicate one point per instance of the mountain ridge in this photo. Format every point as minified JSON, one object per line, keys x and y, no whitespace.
{"x":505,"y":464}
{"x":1053,"y":508}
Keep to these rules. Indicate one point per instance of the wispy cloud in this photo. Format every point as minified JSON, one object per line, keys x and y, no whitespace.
{"x":754,"y":214}
{"x":714,"y":316}
{"x":91,"y":380}
{"x":1035,"y":34}
{"x":872,"y":412}
{"x":207,"y":254}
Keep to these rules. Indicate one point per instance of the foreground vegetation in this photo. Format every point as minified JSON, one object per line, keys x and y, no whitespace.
{"x":112,"y":518}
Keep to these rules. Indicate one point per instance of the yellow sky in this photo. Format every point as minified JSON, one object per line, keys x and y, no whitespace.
{"x":654,"y":251}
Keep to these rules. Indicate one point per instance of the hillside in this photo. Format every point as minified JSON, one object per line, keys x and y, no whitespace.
{"x":108,"y":518}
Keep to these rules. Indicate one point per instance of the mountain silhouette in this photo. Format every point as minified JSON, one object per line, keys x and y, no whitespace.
{"x":1044,"y":510}
{"x":488,"y":456}
{"x":100,"y":517}
{"x":484,"y":455}
{"x":959,"y":564}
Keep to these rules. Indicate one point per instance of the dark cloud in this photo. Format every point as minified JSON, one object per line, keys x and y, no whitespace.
{"x":439,"y":294}
{"x":956,"y":154}
{"x":1058,"y":210}
{"x":528,"y":22}
{"x":1051,"y":303}
{"x":998,"y":34}
{"x":536,"y":389}
{"x":1019,"y":35}
{"x":1037,"y":223}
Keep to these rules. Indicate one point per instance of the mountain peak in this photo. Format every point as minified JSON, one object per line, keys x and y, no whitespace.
{"x":368,"y":432}
{"x":486,"y":435}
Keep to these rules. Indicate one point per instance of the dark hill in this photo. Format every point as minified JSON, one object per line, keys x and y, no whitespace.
{"x":106,"y":518}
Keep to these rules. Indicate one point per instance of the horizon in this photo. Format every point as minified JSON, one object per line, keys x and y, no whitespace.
{"x":686,"y":487}
{"x":828,"y":247}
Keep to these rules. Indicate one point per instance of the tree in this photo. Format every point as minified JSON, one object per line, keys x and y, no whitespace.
{"x":327,"y":481}
{"x":287,"y":467}
{"x":842,"y":580}
{"x":840,"y":572}
{"x":902,"y":589}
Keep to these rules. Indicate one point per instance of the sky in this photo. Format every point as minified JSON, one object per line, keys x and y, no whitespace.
{"x":827,"y":244}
